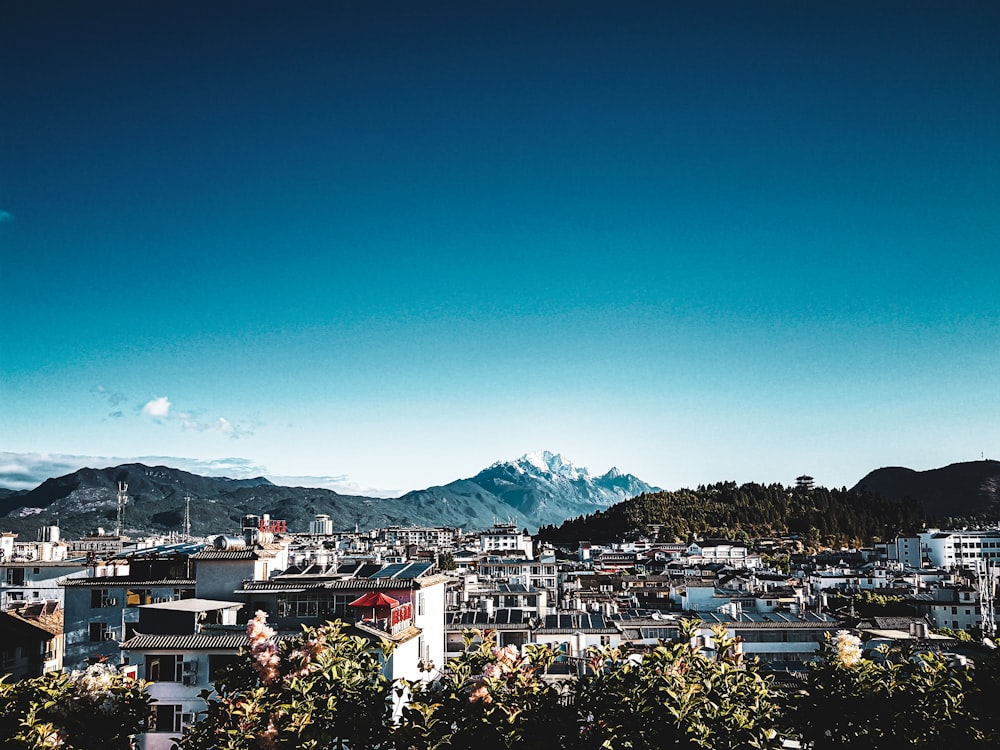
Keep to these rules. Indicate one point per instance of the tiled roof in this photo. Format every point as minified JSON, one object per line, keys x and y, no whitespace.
{"x":765,"y":621}
{"x":51,"y":624}
{"x":277,"y":586}
{"x":232,"y":554}
{"x":190,"y":642}
{"x":110,"y":581}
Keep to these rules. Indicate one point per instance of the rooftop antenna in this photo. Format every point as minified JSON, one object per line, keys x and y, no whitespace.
{"x":187,"y":517}
{"x":122,"y":502}
{"x":984,"y":582}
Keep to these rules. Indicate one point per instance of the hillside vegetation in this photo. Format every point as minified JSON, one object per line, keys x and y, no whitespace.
{"x":832,"y":517}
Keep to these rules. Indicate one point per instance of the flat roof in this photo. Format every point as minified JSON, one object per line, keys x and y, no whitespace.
{"x":193,"y":605}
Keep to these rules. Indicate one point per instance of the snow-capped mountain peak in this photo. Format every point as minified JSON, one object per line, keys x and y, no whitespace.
{"x":544,"y":487}
{"x":547,"y":463}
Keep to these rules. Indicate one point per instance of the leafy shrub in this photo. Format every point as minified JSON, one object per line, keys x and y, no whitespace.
{"x":488,"y":698}
{"x":895,"y":698}
{"x":323,"y":689}
{"x":676,"y":696}
{"x":97,"y":708}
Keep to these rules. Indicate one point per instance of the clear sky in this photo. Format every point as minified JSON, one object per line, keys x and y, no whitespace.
{"x":386,"y":244}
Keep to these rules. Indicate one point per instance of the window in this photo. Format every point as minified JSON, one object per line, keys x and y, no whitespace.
{"x":164,"y":717}
{"x":218,"y":663}
{"x":15,"y":576}
{"x":420,"y":604}
{"x":136,"y":597}
{"x":7,"y":657}
{"x":101,"y":598}
{"x":99,"y":631}
{"x":164,"y":667}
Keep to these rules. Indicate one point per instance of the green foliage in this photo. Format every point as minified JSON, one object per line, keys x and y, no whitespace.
{"x":447,"y":561}
{"x":896,"y":698}
{"x":488,"y":698}
{"x":323,"y":689}
{"x":676,"y":696}
{"x":820,"y":516}
{"x":871,"y":604}
{"x":94,"y":709}
{"x":958,"y":635}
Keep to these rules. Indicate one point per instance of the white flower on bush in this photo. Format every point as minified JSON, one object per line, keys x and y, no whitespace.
{"x":93,"y":690}
{"x":847,"y":648}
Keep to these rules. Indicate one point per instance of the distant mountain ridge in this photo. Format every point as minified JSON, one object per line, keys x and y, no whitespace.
{"x":962,"y":490}
{"x":536,"y":489}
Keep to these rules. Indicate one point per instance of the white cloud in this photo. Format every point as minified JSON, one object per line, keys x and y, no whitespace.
{"x":158,"y":408}
{"x":163,"y":410}
{"x":6,"y":217}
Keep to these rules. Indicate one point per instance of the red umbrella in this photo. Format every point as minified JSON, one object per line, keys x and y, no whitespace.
{"x":374,"y":599}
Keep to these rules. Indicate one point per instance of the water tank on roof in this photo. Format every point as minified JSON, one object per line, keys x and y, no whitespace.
{"x":48,"y":534}
{"x":229,"y":542}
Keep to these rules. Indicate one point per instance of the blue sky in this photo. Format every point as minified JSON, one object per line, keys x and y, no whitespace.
{"x":385,"y":244}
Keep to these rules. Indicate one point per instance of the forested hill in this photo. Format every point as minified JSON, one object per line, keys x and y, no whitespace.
{"x":819,"y":515}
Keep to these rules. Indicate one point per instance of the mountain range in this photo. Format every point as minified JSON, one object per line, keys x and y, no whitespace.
{"x":963,"y":490}
{"x":533,"y":490}
{"x":537,"y":489}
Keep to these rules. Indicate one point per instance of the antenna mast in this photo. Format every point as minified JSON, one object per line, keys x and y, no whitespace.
{"x":984,"y":581}
{"x":122,"y":502}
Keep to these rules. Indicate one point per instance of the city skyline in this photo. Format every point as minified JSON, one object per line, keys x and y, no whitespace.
{"x":388,"y":244}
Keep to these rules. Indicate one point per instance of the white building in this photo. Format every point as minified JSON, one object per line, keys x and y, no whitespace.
{"x":435,"y":537}
{"x":947,"y":549}
{"x":172,"y":652}
{"x":532,"y":573}
{"x":951,"y":607}
{"x":322,"y":526}
{"x":506,"y":539}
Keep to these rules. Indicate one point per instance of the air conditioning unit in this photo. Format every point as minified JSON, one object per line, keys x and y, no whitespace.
{"x":187,"y":717}
{"x":191,"y":667}
{"x":111,"y":603}
{"x":108,"y":635}
{"x":189,"y":679}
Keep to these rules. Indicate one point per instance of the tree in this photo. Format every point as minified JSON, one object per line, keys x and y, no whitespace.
{"x":896,"y":698}
{"x":94,"y":709}
{"x":322,"y":689}
{"x":676,"y":696}
{"x":488,"y":698}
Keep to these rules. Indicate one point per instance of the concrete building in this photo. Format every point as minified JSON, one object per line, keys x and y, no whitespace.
{"x":31,"y":640}
{"x":947,"y":549}
{"x":101,"y":612}
{"x":506,"y":540}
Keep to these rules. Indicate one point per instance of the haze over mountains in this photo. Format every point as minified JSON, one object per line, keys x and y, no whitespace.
{"x":538,"y":488}
{"x":534,"y":490}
